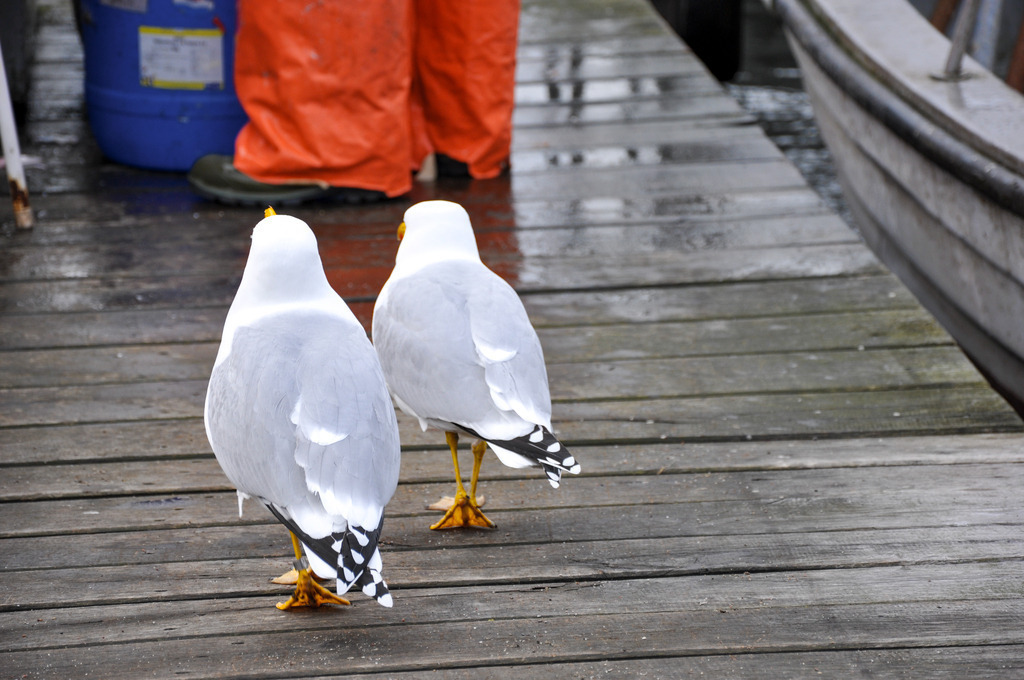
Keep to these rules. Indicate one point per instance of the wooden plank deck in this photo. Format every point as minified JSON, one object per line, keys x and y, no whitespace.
{"x":789,"y":469}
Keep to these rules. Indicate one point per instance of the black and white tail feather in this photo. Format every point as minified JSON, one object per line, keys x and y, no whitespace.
{"x":542,"y":449}
{"x":354,"y":554}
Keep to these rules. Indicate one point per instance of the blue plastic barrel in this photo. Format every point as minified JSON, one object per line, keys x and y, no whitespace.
{"x":159,"y":79}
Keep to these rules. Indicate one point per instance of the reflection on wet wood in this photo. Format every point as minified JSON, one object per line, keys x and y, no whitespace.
{"x":787,"y":463}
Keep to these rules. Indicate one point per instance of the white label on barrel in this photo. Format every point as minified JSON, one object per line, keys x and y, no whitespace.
{"x":181,"y":58}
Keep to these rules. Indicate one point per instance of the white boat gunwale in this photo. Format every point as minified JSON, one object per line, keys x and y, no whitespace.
{"x":975,"y":159}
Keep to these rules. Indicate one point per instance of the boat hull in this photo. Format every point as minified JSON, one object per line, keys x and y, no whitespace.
{"x":956,"y":244}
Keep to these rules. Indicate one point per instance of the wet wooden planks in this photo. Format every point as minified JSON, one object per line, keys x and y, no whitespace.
{"x":789,"y":469}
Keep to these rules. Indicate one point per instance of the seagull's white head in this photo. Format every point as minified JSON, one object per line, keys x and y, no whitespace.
{"x":435,"y":231}
{"x":283,"y":272}
{"x":284,"y":263}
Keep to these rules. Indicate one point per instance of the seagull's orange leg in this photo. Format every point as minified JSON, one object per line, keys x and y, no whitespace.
{"x":464,"y":511}
{"x":308,"y":593}
{"x":479,"y":449}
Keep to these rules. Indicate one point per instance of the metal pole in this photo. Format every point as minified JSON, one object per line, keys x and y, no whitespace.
{"x":12,"y":155}
{"x":961,"y":37}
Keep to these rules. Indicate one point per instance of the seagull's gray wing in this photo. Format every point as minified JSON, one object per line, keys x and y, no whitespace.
{"x":425,"y":345}
{"x":347,"y":433}
{"x":456,"y":346}
{"x":508,"y":348}
{"x":298,"y":416}
{"x":250,"y":396}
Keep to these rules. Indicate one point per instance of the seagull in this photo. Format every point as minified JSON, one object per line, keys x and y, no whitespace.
{"x":299,"y":416}
{"x":460,"y":355}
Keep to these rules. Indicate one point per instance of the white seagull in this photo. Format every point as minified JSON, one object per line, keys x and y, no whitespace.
{"x":299,"y":417}
{"x":460,"y":355}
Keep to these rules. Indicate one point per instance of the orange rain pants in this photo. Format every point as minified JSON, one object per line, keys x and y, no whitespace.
{"x":356,"y":94}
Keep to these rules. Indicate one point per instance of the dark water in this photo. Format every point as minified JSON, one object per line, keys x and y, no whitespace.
{"x":768,"y":85}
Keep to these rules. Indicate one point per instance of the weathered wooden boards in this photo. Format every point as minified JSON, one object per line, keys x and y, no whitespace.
{"x":789,"y":469}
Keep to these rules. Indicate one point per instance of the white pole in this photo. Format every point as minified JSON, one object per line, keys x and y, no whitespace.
{"x":12,"y":155}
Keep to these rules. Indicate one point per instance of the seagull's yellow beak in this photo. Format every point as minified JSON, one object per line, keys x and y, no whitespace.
{"x":401,"y":231}
{"x":269,"y":212}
